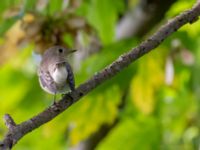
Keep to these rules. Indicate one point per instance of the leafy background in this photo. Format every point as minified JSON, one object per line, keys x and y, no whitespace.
{"x":152,"y":104}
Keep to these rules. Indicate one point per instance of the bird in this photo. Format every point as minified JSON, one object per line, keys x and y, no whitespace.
{"x":55,"y":73}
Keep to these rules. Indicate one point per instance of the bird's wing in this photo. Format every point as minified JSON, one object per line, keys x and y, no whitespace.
{"x":47,"y":82}
{"x":70,"y":77}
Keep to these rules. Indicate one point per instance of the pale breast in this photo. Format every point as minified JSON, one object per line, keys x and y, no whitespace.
{"x":60,"y":75}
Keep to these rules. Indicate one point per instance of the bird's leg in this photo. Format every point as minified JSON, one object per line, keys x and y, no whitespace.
{"x":55,"y":105}
{"x":54,"y":99}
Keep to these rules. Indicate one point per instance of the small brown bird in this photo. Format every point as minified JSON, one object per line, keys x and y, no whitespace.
{"x":55,"y":73}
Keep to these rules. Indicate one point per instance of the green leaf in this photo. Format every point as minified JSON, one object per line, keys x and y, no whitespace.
{"x":180,"y":6}
{"x":54,"y":7}
{"x":68,"y":39}
{"x":101,"y":108}
{"x":5,"y":4}
{"x":141,"y":133}
{"x":102,"y":15}
{"x":30,"y":5}
{"x":6,"y":24}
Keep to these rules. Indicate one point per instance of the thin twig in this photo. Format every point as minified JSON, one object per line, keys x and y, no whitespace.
{"x":9,"y":122}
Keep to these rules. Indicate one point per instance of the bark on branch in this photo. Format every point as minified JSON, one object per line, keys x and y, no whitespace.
{"x":17,"y":131}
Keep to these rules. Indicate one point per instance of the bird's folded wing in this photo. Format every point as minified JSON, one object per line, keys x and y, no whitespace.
{"x":47,"y":82}
{"x":70,"y":77}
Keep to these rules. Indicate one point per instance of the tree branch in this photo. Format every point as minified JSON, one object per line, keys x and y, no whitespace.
{"x":16,"y":132}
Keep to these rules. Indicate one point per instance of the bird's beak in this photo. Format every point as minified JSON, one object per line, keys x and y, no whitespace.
{"x":72,"y":51}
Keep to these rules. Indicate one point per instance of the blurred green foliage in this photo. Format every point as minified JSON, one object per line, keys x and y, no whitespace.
{"x":151,"y":112}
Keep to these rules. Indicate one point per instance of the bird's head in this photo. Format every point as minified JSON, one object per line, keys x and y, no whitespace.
{"x":58,"y":51}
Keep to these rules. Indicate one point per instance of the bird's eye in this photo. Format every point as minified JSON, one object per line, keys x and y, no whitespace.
{"x":60,"y":50}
